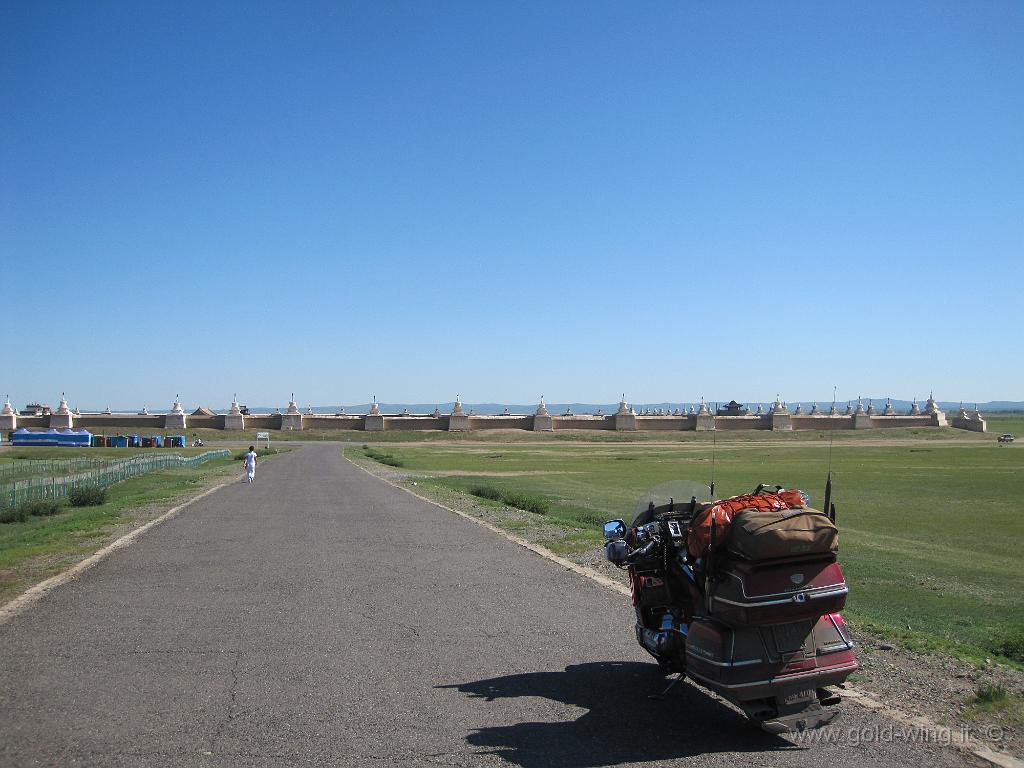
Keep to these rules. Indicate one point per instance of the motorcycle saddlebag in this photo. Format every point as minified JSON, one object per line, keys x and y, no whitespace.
{"x":777,"y":593}
{"x":744,"y":663}
{"x":757,"y":534}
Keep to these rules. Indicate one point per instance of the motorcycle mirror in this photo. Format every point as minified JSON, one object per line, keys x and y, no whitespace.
{"x":614,"y":529}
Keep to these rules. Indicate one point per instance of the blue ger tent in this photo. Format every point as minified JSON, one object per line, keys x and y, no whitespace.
{"x":76,"y":438}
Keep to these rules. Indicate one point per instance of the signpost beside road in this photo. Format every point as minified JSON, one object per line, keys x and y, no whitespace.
{"x":262,"y":436}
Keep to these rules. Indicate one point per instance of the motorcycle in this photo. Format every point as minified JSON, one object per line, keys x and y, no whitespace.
{"x":755,"y":620}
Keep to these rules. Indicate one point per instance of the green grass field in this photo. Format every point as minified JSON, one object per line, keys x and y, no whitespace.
{"x":28,"y":462}
{"x":41,"y":546}
{"x":37,"y":453}
{"x":930,"y":531}
{"x":1002,"y":422}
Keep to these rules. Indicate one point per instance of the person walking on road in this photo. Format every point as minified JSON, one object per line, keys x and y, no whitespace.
{"x":250,"y":465}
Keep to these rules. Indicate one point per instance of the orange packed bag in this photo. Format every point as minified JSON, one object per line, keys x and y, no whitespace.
{"x":721,"y":512}
{"x":794,"y":499}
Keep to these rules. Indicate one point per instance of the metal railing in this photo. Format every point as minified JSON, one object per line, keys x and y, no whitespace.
{"x":56,"y":485}
{"x":24,"y":468}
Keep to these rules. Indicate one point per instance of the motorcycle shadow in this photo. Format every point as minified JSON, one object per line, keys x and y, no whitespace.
{"x":622,"y":723}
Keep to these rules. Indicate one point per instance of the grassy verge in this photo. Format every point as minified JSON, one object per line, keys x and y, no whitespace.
{"x":930,"y":532}
{"x":43,"y":545}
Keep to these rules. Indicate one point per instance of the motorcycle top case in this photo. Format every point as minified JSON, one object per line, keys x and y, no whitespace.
{"x":777,"y":593}
{"x":780,"y":660}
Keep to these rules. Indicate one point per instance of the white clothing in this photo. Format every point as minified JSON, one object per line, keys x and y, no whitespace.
{"x":250,"y":466}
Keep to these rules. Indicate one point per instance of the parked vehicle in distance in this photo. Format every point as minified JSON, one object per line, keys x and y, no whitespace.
{"x":1007,"y":438}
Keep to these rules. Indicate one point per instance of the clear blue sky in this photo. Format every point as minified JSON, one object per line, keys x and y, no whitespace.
{"x":420,"y":199}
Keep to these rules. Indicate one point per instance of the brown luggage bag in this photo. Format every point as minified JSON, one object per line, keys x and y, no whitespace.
{"x":769,"y":535}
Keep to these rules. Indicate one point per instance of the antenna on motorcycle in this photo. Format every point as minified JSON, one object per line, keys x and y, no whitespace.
{"x":711,"y":541}
{"x":714,"y":443}
{"x":828,"y":500}
{"x":710,"y":560}
{"x":829,"y":507}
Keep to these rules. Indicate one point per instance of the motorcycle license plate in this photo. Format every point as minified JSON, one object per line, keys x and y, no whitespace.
{"x":799,"y":697}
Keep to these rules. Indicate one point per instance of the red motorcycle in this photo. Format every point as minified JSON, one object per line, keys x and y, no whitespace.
{"x":742,"y":596}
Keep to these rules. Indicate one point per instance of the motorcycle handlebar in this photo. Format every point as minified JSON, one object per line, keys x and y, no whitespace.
{"x":643,"y":551}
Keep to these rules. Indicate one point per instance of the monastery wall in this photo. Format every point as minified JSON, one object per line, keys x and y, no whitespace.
{"x":779,"y":419}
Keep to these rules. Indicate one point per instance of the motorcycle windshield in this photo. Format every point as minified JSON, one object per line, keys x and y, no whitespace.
{"x":679,"y":491}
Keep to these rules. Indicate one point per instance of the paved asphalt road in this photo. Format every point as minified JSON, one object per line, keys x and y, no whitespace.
{"x":322,"y":617}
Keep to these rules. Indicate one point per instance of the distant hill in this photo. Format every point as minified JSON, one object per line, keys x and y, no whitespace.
{"x":996,"y":405}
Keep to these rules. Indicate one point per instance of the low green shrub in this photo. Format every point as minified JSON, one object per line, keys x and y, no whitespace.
{"x":994,"y":703}
{"x":486,"y":492}
{"x":87,"y":497}
{"x":515,"y":499}
{"x":27,"y":509}
{"x":383,"y":458}
{"x":526,"y":502}
{"x":1011,"y":646}
{"x":988,"y":693}
{"x":13,"y":515}
{"x":42,"y":508}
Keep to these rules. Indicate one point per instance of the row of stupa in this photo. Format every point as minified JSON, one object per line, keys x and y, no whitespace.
{"x":931,"y":407}
{"x":624,"y":418}
{"x":780,"y":406}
